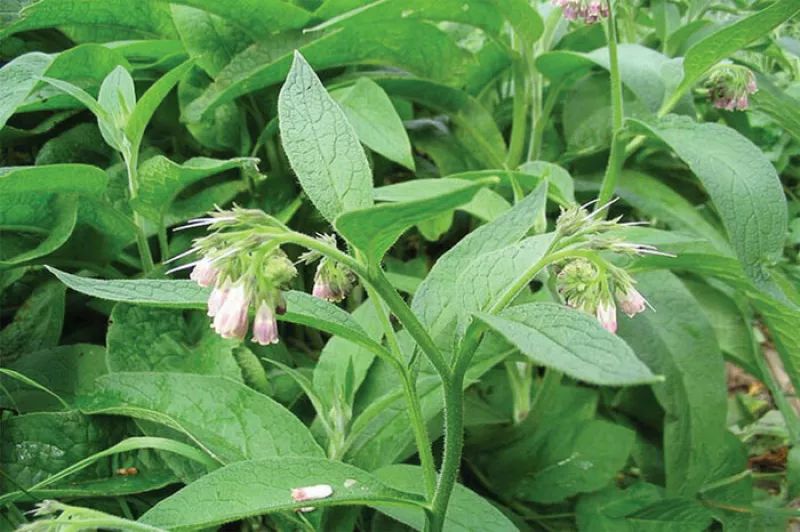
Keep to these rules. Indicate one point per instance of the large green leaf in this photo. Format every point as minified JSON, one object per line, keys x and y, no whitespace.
{"x":260,"y":19}
{"x":72,"y":178}
{"x":678,"y":342}
{"x":605,"y":510}
{"x":467,"y":510}
{"x":742,"y":183}
{"x":375,"y":120}
{"x":86,"y":64}
{"x":36,"y":446}
{"x":144,"y":19}
{"x":67,"y":370}
{"x":435,"y":299}
{"x":302,"y":308}
{"x":576,"y":458}
{"x":165,"y":340}
{"x":211,"y":40}
{"x":267,"y":62}
{"x":376,"y":229}
{"x":321,"y":145}
{"x":570,"y":341}
{"x":161,"y":180}
{"x":779,"y":105}
{"x":260,"y":487}
{"x":641,"y":70}
{"x":229,"y":420}
{"x":721,"y":44}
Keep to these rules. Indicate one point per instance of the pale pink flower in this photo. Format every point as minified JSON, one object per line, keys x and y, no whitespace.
{"x":231,"y":319}
{"x":631,"y":302}
{"x":323,"y":290}
{"x":607,"y":315}
{"x":204,"y":273}
{"x":265,"y":326}
{"x":217,"y":298}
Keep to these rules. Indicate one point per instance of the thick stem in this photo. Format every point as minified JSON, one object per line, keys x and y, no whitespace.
{"x":131,"y":163}
{"x":453,"y":445}
{"x":617,"y":114}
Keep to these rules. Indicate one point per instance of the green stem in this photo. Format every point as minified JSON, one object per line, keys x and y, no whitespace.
{"x":549,"y":104}
{"x":453,"y":445}
{"x":521,"y":103}
{"x":617,"y":115}
{"x":131,"y":163}
{"x":418,"y":425}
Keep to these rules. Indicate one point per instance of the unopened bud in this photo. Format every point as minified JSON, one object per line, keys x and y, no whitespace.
{"x":607,"y":315}
{"x":311,"y":493}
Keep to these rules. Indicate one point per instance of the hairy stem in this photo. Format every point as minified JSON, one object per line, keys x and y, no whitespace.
{"x":131,"y":164}
{"x":617,"y":114}
{"x":418,"y":425}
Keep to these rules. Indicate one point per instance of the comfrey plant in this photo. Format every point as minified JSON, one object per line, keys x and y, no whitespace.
{"x":730,"y":86}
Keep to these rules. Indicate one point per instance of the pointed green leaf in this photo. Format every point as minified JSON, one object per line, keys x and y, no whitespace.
{"x":321,"y":145}
{"x":376,"y":121}
{"x":261,"y":487}
{"x":376,"y":229}
{"x":570,"y":341}
{"x":227,"y":419}
{"x":742,"y":183}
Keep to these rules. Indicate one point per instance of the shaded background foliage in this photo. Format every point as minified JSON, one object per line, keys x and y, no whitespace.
{"x":464,"y":89}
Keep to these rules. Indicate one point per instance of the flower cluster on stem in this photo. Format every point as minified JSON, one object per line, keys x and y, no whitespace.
{"x":247,"y":270}
{"x":590,"y":282}
{"x":591,"y":11}
{"x":730,"y":87}
{"x":332,"y":280}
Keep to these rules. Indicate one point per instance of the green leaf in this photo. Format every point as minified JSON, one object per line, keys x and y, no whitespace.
{"x":37,"y":446}
{"x":161,"y":180}
{"x":732,"y":326}
{"x":375,"y":120}
{"x":473,"y":126}
{"x":302,"y":308}
{"x":655,"y":198}
{"x":742,"y":183}
{"x":150,"y":101}
{"x":260,"y":19}
{"x":570,"y":341}
{"x":605,"y":510}
{"x":434,"y":301}
{"x":576,"y":458}
{"x":340,"y":356}
{"x":18,"y":78}
{"x":376,"y":229}
{"x":167,"y":341}
{"x":67,"y":370}
{"x":671,"y":515}
{"x":641,"y":70}
{"x":321,"y":145}
{"x":211,"y":41}
{"x":75,"y":178}
{"x":36,"y":325}
{"x":117,"y":97}
{"x":125,"y":446}
{"x":227,"y":419}
{"x":143,"y":20}
{"x":261,"y":487}
{"x":467,"y":510}
{"x":776,"y":103}
{"x":678,"y":341}
{"x":85,"y":64}
{"x":723,"y":43}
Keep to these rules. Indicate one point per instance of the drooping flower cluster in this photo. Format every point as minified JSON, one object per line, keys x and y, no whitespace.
{"x":332,"y":281}
{"x":246,"y":270}
{"x":591,"y":11}
{"x":730,"y":87}
{"x":591,"y":283}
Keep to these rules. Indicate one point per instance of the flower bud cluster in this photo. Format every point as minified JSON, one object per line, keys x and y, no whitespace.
{"x":589,"y":282}
{"x":591,"y":11}
{"x":730,"y":87}
{"x":332,"y":280}
{"x":238,"y":258}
